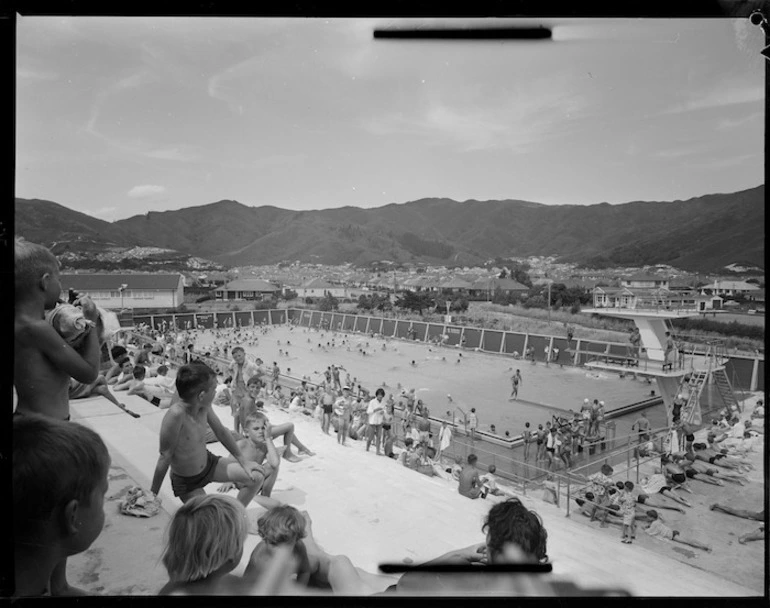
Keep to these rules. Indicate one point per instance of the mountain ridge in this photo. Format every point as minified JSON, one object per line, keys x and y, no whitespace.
{"x":702,"y":233}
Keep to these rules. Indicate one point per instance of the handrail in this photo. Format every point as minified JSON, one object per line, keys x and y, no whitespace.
{"x":629,"y":447}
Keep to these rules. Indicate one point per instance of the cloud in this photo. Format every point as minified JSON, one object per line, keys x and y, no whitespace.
{"x":680,"y":152}
{"x":730,"y":123}
{"x":172,"y":153}
{"x":727,"y":94}
{"x":31,"y":75}
{"x":725,"y":163}
{"x":512,"y":121}
{"x":104,"y":212}
{"x":146,"y":191}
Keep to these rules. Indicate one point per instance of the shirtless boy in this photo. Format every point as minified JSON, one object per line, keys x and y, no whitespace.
{"x":183,"y":442}
{"x":43,"y":361}
{"x":250,"y":406}
{"x":258,"y":447}
{"x":470,"y":484}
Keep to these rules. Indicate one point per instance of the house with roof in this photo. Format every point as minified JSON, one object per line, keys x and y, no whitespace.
{"x":613,"y":297}
{"x":124,"y":291}
{"x":644,"y":280}
{"x":486,"y":287}
{"x":731,"y":288}
{"x":661,"y":298}
{"x":455,"y":286}
{"x":319,"y":288}
{"x":247,"y":289}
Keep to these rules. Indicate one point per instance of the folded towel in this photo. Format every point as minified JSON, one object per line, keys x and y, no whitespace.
{"x":140,"y":503}
{"x":70,"y":324}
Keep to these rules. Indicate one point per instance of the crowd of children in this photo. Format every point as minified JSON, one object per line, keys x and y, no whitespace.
{"x":60,"y":467}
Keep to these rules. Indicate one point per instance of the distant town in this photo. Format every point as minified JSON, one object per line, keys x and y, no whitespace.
{"x":513,"y":280}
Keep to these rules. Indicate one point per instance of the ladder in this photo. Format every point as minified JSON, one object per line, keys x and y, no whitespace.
{"x":691,"y":409}
{"x":725,"y":389}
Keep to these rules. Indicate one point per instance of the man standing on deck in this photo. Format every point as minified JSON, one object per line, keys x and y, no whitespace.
{"x":635,"y":340}
{"x":643,"y":426}
{"x":527,"y":437}
{"x":241,"y":370}
{"x":668,"y":351}
{"x":276,"y":372}
{"x":515,"y":382}
{"x":375,"y":414}
{"x":473,"y":423}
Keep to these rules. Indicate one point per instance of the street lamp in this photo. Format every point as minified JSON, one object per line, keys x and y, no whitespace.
{"x":122,"y":289}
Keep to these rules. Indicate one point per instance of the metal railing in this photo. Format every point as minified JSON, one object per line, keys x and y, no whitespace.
{"x":573,"y":486}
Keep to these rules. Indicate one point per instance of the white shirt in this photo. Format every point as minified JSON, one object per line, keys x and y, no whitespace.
{"x":375,"y":411}
{"x":248,"y":370}
{"x":738,"y":430}
{"x":489,"y":481}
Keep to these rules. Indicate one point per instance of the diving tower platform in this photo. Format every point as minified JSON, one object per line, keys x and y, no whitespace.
{"x":681,"y":372}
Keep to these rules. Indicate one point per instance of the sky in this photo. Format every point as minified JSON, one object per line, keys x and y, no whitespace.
{"x":119,"y":116}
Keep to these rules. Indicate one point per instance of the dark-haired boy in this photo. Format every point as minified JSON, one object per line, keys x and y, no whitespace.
{"x":183,"y":441}
{"x":470,"y":484}
{"x":59,"y":479}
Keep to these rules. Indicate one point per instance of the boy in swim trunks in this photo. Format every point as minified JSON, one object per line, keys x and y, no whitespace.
{"x":183,"y":443}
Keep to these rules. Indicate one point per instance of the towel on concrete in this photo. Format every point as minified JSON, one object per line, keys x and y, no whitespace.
{"x":140,"y":503}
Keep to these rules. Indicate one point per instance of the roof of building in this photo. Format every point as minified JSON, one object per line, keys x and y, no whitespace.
{"x":318,"y":283}
{"x":493,"y":283}
{"x":644,"y":276}
{"x":455,"y":283}
{"x":86,"y":282}
{"x":742,"y":285}
{"x":249,"y":285}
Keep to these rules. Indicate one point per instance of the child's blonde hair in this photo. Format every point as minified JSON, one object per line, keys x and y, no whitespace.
{"x":283,"y":524}
{"x":253,"y":415}
{"x":31,"y":261}
{"x":206,"y":532}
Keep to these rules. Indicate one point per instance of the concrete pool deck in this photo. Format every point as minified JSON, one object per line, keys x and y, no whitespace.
{"x":372,"y":510}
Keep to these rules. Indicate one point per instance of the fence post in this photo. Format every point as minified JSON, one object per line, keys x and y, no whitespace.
{"x":569,"y":487}
{"x":558,"y":491}
{"x":628,"y":457}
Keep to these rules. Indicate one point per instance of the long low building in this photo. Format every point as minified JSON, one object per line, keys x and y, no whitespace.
{"x":128,"y":291}
{"x":247,"y":289}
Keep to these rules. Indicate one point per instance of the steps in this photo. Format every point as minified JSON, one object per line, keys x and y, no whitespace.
{"x":725,"y":388}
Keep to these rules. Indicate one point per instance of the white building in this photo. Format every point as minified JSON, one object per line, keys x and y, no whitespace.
{"x":127,"y":291}
{"x":642,"y":280}
{"x":731,"y":288}
{"x":246,"y":289}
{"x":318,"y":288}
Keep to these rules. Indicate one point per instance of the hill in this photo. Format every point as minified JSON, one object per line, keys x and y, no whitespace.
{"x":702,"y":234}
